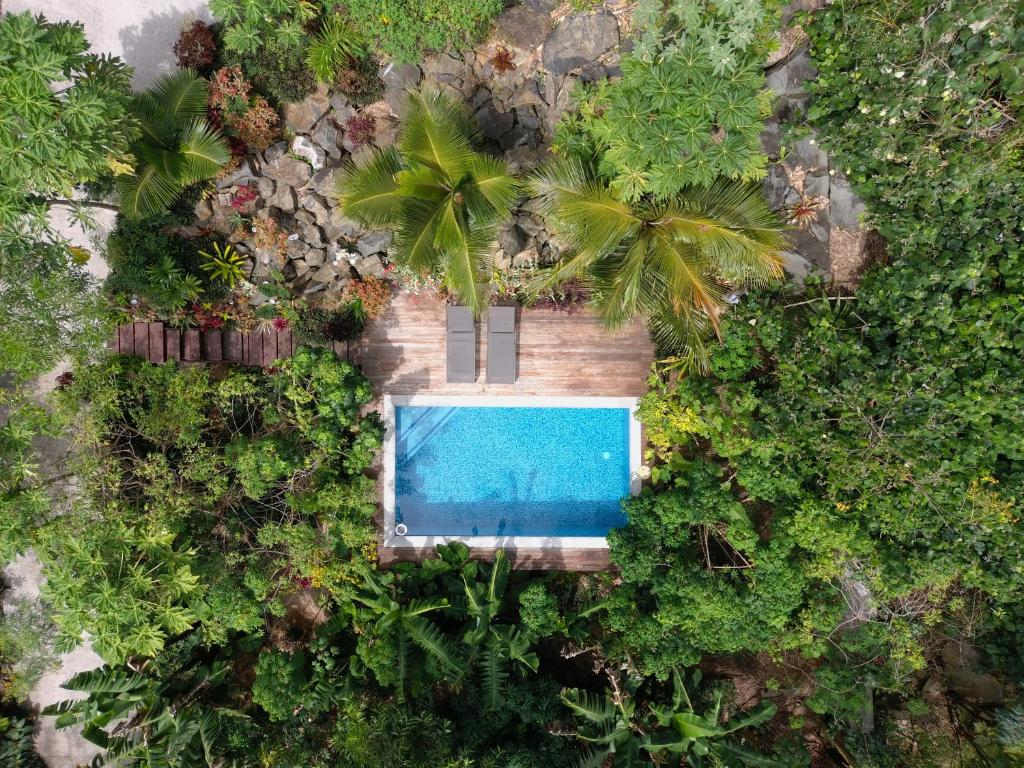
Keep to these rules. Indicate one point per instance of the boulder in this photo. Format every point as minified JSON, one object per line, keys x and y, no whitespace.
{"x":283,"y":199}
{"x":310,"y":234}
{"x":399,"y":79}
{"x":316,"y":205}
{"x":387,"y":132}
{"x":816,"y":184}
{"x":289,"y":171}
{"x":242,"y":175}
{"x":512,"y":240}
{"x":324,"y":181}
{"x":580,"y":39}
{"x":541,"y":6}
{"x":265,"y":186}
{"x":845,"y":208}
{"x":339,"y":226}
{"x":326,"y":136}
{"x":370,"y":266}
{"x":274,"y":151}
{"x":494,"y":124}
{"x":444,"y":68}
{"x":329,"y":271}
{"x":526,"y":258}
{"x":303,"y":115}
{"x":523,"y":27}
{"x":316,"y":257}
{"x":297,"y":249}
{"x":373,"y":242}
{"x":527,"y":95}
{"x":306,"y":149}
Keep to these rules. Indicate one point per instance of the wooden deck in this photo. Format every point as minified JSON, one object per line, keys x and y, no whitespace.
{"x":403,"y":353}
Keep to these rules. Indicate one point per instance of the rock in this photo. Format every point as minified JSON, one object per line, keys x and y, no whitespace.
{"x":274,"y":151}
{"x":326,"y":136}
{"x":788,"y":39}
{"x":443,"y":68}
{"x":816,"y":185}
{"x":324,"y":181}
{"x":327,"y":272}
{"x":399,"y":79}
{"x":340,"y":226}
{"x":494,"y":124}
{"x":845,"y":208}
{"x":204,"y":210}
{"x":541,"y":6}
{"x":593,"y":72}
{"x":303,"y":115}
{"x":283,"y":199}
{"x":512,"y":240}
{"x":481,"y":97}
{"x":527,"y":118}
{"x":808,"y":155}
{"x":289,"y":171}
{"x":297,"y":249}
{"x":812,"y":243}
{"x":369,"y":266}
{"x":242,"y":175}
{"x":315,"y":205}
{"x":518,"y":137}
{"x":796,"y":266}
{"x":308,"y":150}
{"x":310,"y":234}
{"x":980,"y":688}
{"x":338,"y":100}
{"x":387,"y":132}
{"x":373,"y":242}
{"x":523,"y":27}
{"x":580,"y":39}
{"x":527,"y":95}
{"x":265,"y":186}
{"x":526,"y":258}
{"x":316,"y":257}
{"x":771,"y":138}
{"x":787,"y":80}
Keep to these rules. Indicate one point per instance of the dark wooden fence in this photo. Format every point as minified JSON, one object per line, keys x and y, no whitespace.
{"x":157,"y":343}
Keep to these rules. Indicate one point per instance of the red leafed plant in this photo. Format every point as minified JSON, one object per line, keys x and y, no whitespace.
{"x":502,"y":60}
{"x":360,"y":129}
{"x":196,"y":46}
{"x":243,"y":197}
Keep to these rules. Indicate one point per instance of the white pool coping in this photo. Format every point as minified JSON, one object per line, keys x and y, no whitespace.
{"x":387,"y":476}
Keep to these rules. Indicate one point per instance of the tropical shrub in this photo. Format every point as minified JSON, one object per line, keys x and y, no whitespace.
{"x":239,"y":113}
{"x":177,"y":148}
{"x":322,"y":326}
{"x":63,"y":122}
{"x":261,"y":474}
{"x":226,"y":265}
{"x":671,"y":262}
{"x":360,"y":81}
{"x":196,"y":47}
{"x":689,"y":107}
{"x":25,"y":650}
{"x":17,"y":743}
{"x":406,"y":29}
{"x":443,"y":198}
{"x":334,"y":46}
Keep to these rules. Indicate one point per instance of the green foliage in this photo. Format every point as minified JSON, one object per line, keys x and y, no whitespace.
{"x":177,"y":148}
{"x":24,"y":501}
{"x":442,"y":197}
{"x":333,"y":47}
{"x":130,"y":588}
{"x":17,"y":744}
{"x":689,"y":106}
{"x":406,"y":29}
{"x":279,"y":684}
{"x":25,"y":651}
{"x":244,"y":478}
{"x":323,"y":326}
{"x":226,"y":265}
{"x":63,"y":122}
{"x":672,"y":263}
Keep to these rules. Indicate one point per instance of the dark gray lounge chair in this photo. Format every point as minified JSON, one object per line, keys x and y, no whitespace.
{"x":461,"y":346}
{"x":502,"y":365}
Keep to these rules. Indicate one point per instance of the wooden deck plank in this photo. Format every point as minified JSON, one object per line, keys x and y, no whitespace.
{"x":141,"y":347}
{"x":233,"y":346}
{"x":126,"y":339}
{"x":532,"y":559}
{"x":213,"y":351}
{"x":172,"y":343}
{"x":192,"y":351}
{"x":403,"y":352}
{"x":156,"y":343}
{"x":269,"y":345}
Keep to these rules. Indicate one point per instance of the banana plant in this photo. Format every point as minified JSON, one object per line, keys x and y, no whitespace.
{"x":377,"y":612}
{"x":679,"y":735}
{"x":701,"y":738}
{"x":138,"y":720}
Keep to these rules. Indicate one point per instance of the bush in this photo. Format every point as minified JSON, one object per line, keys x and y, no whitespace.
{"x":406,"y":29}
{"x":196,"y":47}
{"x":323,"y":326}
{"x":360,"y":81}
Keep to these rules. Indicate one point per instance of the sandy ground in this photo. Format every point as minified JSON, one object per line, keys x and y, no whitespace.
{"x":142,"y":33}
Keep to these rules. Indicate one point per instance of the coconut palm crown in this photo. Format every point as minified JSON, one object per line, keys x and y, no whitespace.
{"x":177,"y":146}
{"x":673,"y":262}
{"x":443,"y":199}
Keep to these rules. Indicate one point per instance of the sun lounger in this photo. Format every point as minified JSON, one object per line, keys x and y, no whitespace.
{"x":461,"y":346}
{"x":502,"y":365}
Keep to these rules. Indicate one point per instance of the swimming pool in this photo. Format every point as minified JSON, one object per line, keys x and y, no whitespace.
{"x":508,"y":471}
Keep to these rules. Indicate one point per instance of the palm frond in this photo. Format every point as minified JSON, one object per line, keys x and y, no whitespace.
{"x":591,"y":707}
{"x":203,"y":150}
{"x":491,"y":178}
{"x":330,"y":50}
{"x":432,"y":641}
{"x":370,"y":193}
{"x":493,"y":674}
{"x":435,"y":135}
{"x":182,"y":93}
{"x":465,"y":256}
{"x":146,"y":192}
{"x":414,"y":239}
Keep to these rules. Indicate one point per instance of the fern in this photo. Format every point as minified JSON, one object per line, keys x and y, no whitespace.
{"x":336,"y":44}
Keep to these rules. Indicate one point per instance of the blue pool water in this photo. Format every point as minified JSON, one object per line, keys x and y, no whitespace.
{"x":510,"y":471}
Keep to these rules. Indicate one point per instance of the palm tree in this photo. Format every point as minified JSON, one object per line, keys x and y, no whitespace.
{"x":673,"y":261}
{"x":177,"y":147}
{"x":443,"y":198}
